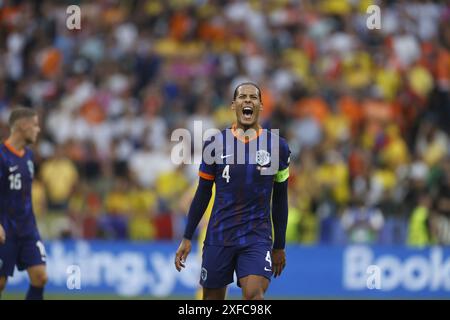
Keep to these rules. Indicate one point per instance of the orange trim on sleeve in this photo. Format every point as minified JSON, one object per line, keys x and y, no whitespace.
{"x":206,"y":176}
{"x":13,"y":150}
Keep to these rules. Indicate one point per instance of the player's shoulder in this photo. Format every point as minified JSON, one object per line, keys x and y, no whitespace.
{"x":28,"y":153}
{"x":282,"y":141}
{"x":219,"y":135}
{"x":223,"y":132}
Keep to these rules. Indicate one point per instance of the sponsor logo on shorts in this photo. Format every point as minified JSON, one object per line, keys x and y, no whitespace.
{"x":204,"y":274}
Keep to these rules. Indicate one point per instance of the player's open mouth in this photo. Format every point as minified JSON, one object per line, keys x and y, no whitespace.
{"x":247,"y":112}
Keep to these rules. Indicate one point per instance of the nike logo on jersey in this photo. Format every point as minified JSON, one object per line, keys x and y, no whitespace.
{"x":12,"y":169}
{"x":223,"y":157}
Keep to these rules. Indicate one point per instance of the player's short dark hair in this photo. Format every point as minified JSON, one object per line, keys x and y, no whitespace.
{"x":244,"y":84}
{"x":20,"y":113}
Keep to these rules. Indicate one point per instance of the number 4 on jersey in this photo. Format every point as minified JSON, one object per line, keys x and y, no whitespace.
{"x":226,"y":173}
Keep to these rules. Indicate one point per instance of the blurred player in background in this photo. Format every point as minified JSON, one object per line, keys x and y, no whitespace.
{"x":20,"y":242}
{"x":239,"y":235}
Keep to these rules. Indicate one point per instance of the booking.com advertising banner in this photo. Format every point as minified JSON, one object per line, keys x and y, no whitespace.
{"x":131,"y":269}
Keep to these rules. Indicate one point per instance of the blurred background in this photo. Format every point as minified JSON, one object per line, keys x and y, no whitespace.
{"x":366,"y":114}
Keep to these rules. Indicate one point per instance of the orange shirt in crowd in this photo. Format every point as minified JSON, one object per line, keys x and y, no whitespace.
{"x":179,"y":25}
{"x":378,"y":110}
{"x":351,"y":109}
{"x":314,"y":107}
{"x":92,"y":112}
{"x":208,"y":31}
{"x":443,"y":66}
{"x":268,"y":103}
{"x":51,"y":62}
{"x":9,"y":16}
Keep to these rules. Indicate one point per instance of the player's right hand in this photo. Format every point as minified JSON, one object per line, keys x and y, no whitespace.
{"x":278,"y":261}
{"x":2,"y":235}
{"x":182,"y":253}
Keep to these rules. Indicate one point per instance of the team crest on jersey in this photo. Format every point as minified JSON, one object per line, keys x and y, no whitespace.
{"x":204,"y":274}
{"x":262,"y":157}
{"x":30,"y":167}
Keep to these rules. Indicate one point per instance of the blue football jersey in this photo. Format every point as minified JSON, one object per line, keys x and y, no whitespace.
{"x":16,"y":177}
{"x":244,"y":173}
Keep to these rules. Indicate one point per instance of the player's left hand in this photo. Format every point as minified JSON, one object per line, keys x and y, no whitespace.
{"x":278,"y":261}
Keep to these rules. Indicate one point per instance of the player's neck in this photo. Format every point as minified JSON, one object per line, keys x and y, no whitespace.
{"x":255,"y":126}
{"x":242,"y":132}
{"x":16,"y":142}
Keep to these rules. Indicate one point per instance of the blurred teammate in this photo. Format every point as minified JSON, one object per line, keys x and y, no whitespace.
{"x":239,"y":235}
{"x":20,"y":242}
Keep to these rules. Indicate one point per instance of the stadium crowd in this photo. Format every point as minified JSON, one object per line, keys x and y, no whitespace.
{"x":366,"y":112}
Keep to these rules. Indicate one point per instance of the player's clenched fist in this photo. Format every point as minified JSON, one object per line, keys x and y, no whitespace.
{"x":182,"y":253}
{"x":2,"y":235}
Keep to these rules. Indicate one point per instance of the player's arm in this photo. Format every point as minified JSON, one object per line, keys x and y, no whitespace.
{"x":280,"y":212}
{"x":280,"y":219}
{"x":198,"y":206}
{"x":196,"y":211}
{"x":199,"y":203}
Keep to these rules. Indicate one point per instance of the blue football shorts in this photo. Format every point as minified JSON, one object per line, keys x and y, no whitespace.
{"x":220,"y":262}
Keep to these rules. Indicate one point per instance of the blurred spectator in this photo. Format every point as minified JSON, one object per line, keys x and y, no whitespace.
{"x":60,"y":176}
{"x":419,"y":232}
{"x":441,"y":215}
{"x":148,"y":163}
{"x":362,"y":223}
